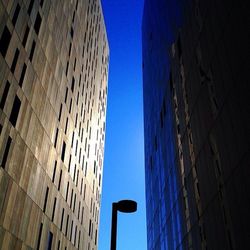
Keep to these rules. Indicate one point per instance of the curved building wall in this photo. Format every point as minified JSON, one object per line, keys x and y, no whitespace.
{"x":53,"y":96}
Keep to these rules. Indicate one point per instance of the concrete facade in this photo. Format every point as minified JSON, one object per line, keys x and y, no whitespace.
{"x":53,"y":95}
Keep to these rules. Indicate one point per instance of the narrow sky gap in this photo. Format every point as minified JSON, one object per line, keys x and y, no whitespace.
{"x":124,"y":148}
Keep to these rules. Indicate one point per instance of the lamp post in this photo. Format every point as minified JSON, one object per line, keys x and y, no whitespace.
{"x":124,"y":206}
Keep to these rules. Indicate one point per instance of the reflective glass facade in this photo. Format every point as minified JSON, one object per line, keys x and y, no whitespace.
{"x":196,"y":125}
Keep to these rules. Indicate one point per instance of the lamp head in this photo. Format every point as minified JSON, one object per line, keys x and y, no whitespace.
{"x":126,"y":206}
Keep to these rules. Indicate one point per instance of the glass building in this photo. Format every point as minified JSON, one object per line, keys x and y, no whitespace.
{"x":53,"y":96}
{"x":196,"y":124}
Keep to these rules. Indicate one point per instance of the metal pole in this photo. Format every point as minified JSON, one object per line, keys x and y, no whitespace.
{"x":113,"y":226}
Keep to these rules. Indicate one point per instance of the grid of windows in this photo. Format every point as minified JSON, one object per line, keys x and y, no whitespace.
{"x":53,"y":99}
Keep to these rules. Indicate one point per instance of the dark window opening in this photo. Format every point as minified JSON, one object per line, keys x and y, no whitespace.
{"x":30,"y":6}
{"x":67,"y":223}
{"x":60,"y":178}
{"x":22,"y":75}
{"x":54,"y":207}
{"x":6,"y":152}
{"x":66,"y":95}
{"x":66,"y":126}
{"x":50,"y":239}
{"x":61,"y":226}
{"x":46,"y":199}
{"x":25,"y":37}
{"x":5,"y":41}
{"x":71,"y":230}
{"x":71,"y":198}
{"x":5,"y":94}
{"x":15,"y":111}
{"x":69,"y":163}
{"x":75,"y":235}
{"x":41,"y":4}
{"x":60,"y":112}
{"x":70,"y":105}
{"x":63,"y":151}
{"x":72,"y":32}
{"x":70,"y":46}
{"x":39,"y":236}
{"x":14,"y":62}
{"x":67,"y":191}
{"x":16,"y":13}
{"x":37,"y":24}
{"x":90,"y":227}
{"x":73,"y":84}
{"x":55,"y":142}
{"x":32,"y":50}
{"x":54,"y":172}
{"x":74,"y":206}
{"x":59,"y":244}
{"x":67,"y":68}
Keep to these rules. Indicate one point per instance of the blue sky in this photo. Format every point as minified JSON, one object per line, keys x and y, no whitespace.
{"x":124,"y":148}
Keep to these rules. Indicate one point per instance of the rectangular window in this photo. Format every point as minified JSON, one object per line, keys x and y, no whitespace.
{"x":45,"y":199}
{"x":16,"y":13}
{"x":63,"y":151}
{"x":39,"y":236}
{"x":15,"y":111}
{"x":30,"y":6}
{"x":71,"y":230}
{"x":54,"y":172}
{"x":14,"y":62}
{"x":66,"y":126}
{"x":25,"y":37}
{"x":75,"y":236}
{"x":22,"y":75}
{"x":6,"y":152}
{"x":70,"y":105}
{"x":82,"y":215}
{"x":60,"y":112}
{"x":79,"y":238}
{"x":60,"y":178}
{"x":59,"y":244}
{"x":74,"y":206}
{"x":37,"y":24}
{"x":50,"y":240}
{"x":5,"y":41}
{"x":66,"y":95}
{"x":74,"y":176}
{"x":55,"y":142}
{"x":79,"y":207}
{"x":67,"y":191}
{"x":32,"y":50}
{"x":67,"y":223}
{"x":73,"y":84}
{"x":54,"y":207}
{"x":62,"y":219}
{"x":71,"y":198}
{"x":69,"y":163}
{"x":90,"y":227}
{"x":5,"y":94}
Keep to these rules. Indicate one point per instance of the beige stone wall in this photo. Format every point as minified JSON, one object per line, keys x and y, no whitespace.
{"x":53,"y":95}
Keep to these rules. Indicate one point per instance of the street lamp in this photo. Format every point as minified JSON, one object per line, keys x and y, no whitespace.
{"x":124,"y":206}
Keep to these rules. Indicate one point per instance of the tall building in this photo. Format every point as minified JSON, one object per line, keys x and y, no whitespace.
{"x":53,"y":96}
{"x":196,"y":122}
